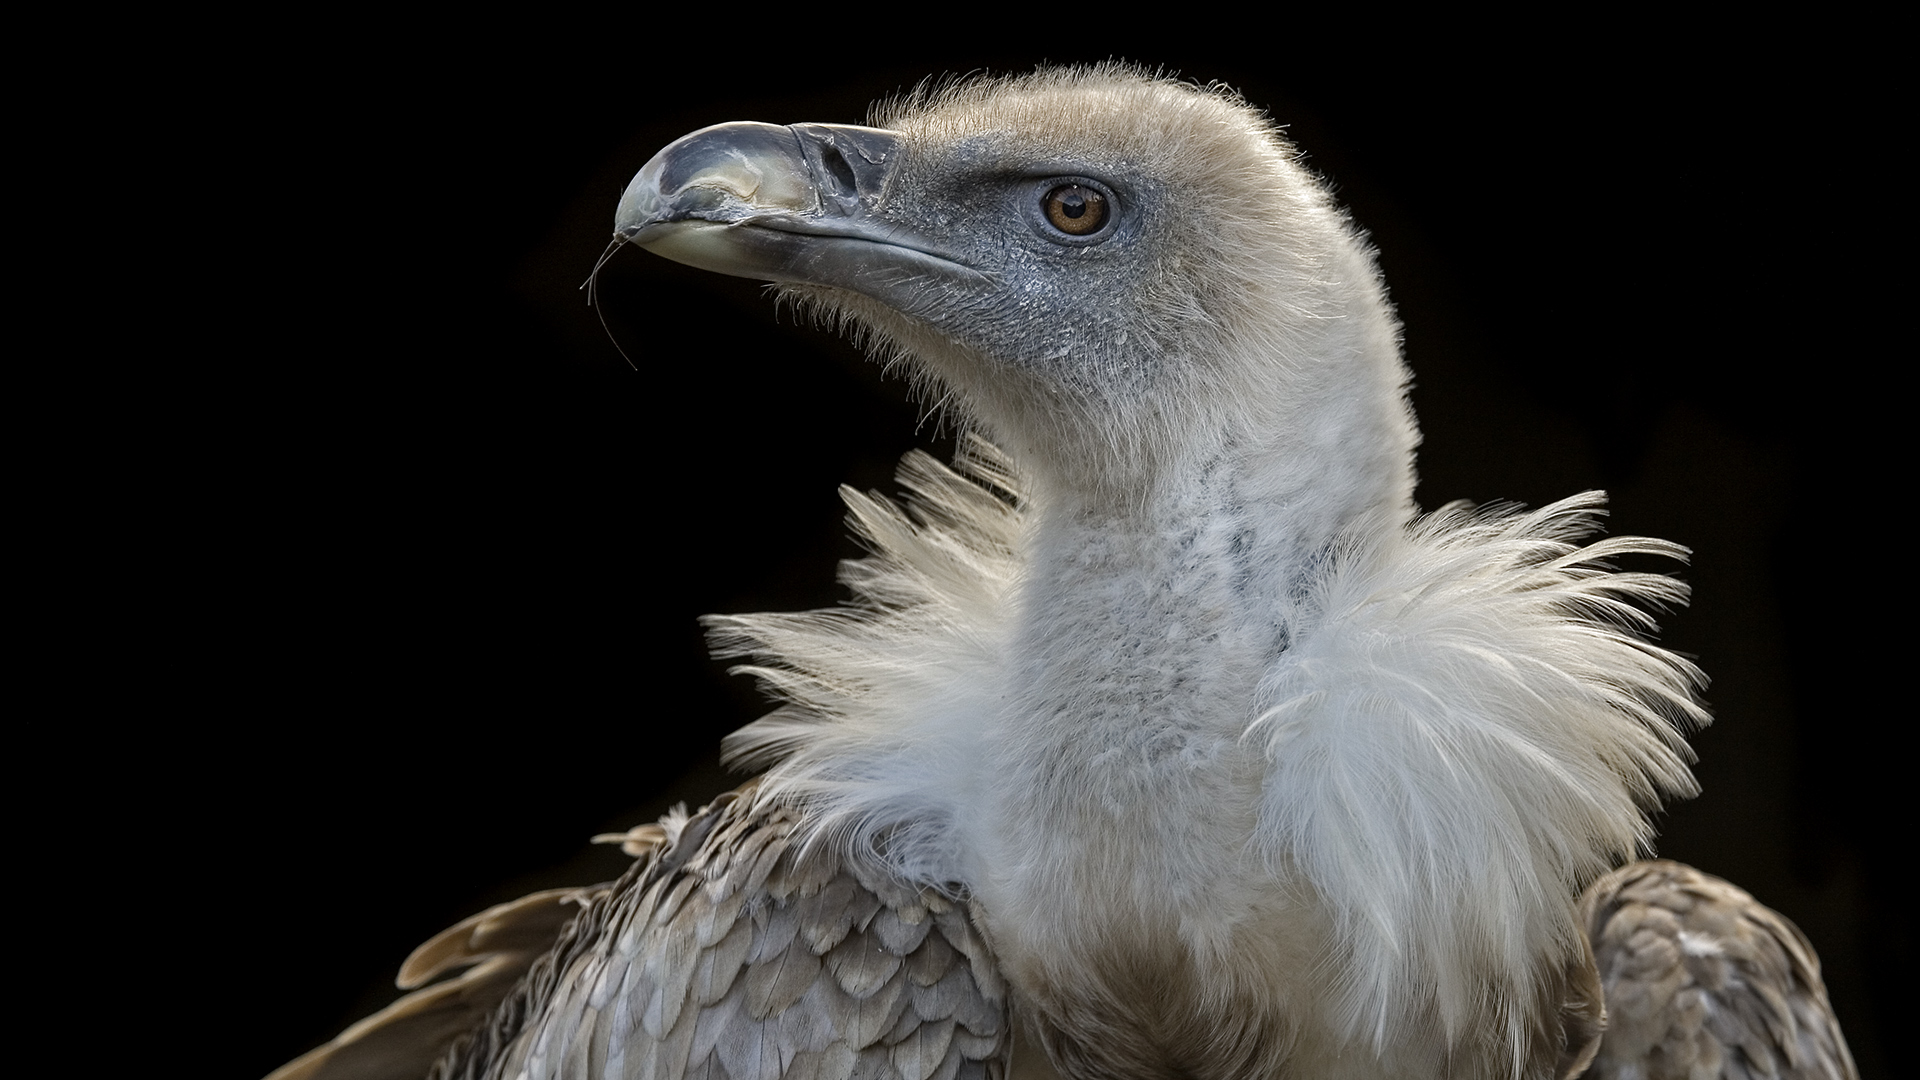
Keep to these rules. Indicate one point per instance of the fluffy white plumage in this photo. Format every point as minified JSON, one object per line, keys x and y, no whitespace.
{"x":1465,"y":730}
{"x":1468,"y":726}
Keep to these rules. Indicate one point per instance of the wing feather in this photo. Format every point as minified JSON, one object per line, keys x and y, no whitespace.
{"x":1702,"y":980}
{"x":497,"y":947}
{"x":726,"y":951}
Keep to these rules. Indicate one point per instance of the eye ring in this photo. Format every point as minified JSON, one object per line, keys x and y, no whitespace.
{"x":1076,"y":209}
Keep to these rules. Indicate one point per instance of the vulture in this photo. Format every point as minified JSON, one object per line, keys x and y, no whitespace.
{"x":1163,"y":736}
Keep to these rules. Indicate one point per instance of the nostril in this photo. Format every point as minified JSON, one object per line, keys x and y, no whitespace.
{"x":836,"y":163}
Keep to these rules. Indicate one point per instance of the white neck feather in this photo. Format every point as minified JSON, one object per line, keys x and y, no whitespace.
{"x":1263,"y":717}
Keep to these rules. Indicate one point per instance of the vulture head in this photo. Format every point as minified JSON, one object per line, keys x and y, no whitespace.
{"x":1120,"y":280}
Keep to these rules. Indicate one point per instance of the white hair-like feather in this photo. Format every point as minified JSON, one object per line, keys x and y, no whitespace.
{"x":1469,"y":728}
{"x":879,"y":730}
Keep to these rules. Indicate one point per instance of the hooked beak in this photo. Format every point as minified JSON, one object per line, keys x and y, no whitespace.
{"x":801,"y":204}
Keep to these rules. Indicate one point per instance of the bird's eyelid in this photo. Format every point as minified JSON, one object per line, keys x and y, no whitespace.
{"x":1063,"y":173}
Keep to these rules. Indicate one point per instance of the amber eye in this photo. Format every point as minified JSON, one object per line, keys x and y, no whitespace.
{"x":1075,"y":209}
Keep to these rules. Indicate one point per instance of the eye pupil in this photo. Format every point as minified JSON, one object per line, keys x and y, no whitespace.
{"x":1075,"y":209}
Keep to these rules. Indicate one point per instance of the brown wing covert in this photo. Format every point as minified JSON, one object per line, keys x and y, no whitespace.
{"x":730,"y":952}
{"x":1703,"y":980}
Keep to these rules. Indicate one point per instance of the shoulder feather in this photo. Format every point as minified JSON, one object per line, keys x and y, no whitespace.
{"x":1702,"y":979}
{"x":730,"y":952}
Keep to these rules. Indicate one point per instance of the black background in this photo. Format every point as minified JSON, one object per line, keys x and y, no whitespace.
{"x":421,"y":553}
